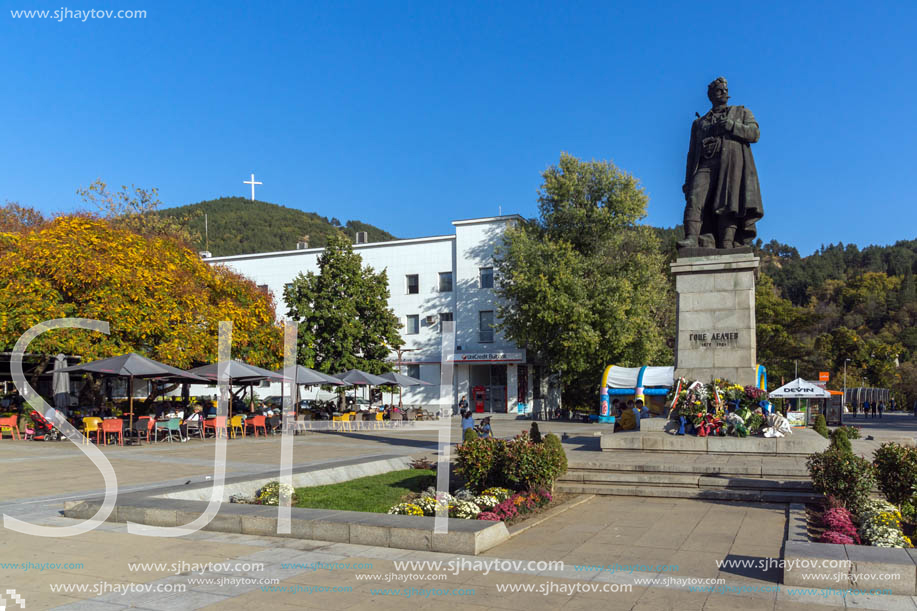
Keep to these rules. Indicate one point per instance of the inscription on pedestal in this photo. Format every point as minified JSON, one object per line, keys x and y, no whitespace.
{"x":714,"y":339}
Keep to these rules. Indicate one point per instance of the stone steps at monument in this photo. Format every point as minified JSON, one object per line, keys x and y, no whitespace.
{"x":769,"y":468}
{"x":686,"y":492}
{"x":738,"y":480}
{"x":678,"y":479}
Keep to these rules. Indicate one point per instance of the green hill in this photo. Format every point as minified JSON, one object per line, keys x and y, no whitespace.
{"x":239,"y":226}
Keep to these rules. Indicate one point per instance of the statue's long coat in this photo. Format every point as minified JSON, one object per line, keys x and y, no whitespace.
{"x":736,"y":190}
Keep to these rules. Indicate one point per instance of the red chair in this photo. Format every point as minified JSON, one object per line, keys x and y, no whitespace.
{"x":113,"y":426}
{"x":217,"y":424}
{"x":11,"y":423}
{"x":256,"y":422}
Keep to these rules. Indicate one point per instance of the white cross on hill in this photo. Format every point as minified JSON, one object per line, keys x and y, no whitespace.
{"x":252,"y":182}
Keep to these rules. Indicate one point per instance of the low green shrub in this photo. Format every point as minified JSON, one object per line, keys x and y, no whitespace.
{"x":853,"y":432}
{"x":896,"y":471}
{"x":820,"y":426}
{"x":469,"y":435}
{"x":839,"y":440}
{"x":556,"y":454}
{"x":520,"y":463}
{"x":480,"y":462}
{"x":844,"y":475}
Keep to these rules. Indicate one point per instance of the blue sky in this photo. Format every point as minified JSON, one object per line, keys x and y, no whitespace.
{"x":411,"y":115}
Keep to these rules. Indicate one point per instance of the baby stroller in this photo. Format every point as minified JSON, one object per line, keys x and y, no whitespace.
{"x":44,"y":430}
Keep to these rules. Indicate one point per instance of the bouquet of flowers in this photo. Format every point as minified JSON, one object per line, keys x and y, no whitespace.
{"x":689,"y":401}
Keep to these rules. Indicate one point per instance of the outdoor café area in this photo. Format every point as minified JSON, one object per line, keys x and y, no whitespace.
{"x":180,"y":418}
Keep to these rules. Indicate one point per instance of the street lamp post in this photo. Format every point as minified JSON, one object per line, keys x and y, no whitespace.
{"x":844,"y":401}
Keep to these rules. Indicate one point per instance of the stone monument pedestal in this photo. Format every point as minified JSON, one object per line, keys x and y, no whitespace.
{"x":716,"y":315}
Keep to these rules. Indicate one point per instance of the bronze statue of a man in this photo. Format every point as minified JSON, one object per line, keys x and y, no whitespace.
{"x":723,"y":198}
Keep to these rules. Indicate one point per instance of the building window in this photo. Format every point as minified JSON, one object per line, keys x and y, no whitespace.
{"x":487,"y":277}
{"x":414,"y":371}
{"x":413,"y":284}
{"x":445,"y":282}
{"x":444,"y":317}
{"x":486,"y":328}
{"x":413,"y":324}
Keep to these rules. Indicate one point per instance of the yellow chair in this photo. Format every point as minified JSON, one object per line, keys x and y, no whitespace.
{"x":236,"y":422}
{"x":337,"y":422}
{"x":379,"y":423}
{"x":91,"y":425}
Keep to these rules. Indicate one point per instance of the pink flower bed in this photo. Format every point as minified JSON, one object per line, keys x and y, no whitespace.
{"x":519,"y":503}
{"x":839,"y":527}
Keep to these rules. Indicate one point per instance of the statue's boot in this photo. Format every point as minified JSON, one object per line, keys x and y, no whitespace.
{"x":692,"y":231}
{"x":727,"y":228}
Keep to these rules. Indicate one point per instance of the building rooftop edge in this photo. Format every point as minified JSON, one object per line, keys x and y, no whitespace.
{"x":489,"y":219}
{"x":283,"y":253}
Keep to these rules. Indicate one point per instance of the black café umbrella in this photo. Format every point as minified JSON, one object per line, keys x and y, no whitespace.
{"x":237,"y":372}
{"x":401,"y":381}
{"x":355,"y":377}
{"x":303,"y":376}
{"x":134,"y":366}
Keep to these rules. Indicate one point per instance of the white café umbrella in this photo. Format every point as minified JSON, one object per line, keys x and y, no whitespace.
{"x":800,"y":389}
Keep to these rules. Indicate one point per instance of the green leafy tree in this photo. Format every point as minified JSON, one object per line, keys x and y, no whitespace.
{"x":343,"y":314}
{"x":782,"y":331}
{"x":584,"y":285}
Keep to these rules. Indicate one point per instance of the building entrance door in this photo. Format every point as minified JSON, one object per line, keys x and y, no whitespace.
{"x":493,"y":379}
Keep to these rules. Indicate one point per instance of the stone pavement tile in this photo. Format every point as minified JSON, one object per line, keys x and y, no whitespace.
{"x":830,"y":599}
{"x":39,"y":597}
{"x":320,"y":599}
{"x":90,"y":605}
{"x":878,"y":601}
{"x":670,"y":538}
{"x":658,"y":599}
{"x":593,"y":547}
{"x":524,"y":549}
{"x":726,"y":602}
{"x":615,"y":601}
{"x":490,"y":579}
{"x":709,"y":541}
{"x":646,"y":556}
{"x":695,"y":564}
{"x":443,"y":605}
{"x":762,"y":574}
{"x":797,"y":606}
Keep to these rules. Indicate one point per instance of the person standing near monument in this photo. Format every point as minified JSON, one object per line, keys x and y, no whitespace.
{"x":723,"y":197}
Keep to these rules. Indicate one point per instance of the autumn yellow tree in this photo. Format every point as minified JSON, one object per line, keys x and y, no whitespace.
{"x":159,"y":298}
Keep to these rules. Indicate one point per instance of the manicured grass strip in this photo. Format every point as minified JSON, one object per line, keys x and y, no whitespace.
{"x":376,"y":493}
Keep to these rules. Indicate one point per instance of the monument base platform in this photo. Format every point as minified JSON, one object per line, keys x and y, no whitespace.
{"x":716,"y":315}
{"x":801,"y":443}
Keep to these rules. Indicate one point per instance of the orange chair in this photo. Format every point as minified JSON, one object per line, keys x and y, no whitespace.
{"x":11,"y":423}
{"x":236,"y":422}
{"x":112,"y":426}
{"x":257,"y":422}
{"x":218,"y":424}
{"x":91,"y":425}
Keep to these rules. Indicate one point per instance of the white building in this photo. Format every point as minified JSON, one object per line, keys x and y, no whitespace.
{"x":431,"y":280}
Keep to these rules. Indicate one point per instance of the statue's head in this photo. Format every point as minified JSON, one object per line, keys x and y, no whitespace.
{"x":718,"y":91}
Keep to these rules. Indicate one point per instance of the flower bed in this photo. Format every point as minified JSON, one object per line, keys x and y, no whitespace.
{"x":847,"y":481}
{"x":494,"y":504}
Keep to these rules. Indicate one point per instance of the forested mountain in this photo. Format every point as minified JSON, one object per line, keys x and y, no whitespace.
{"x":240,"y":226}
